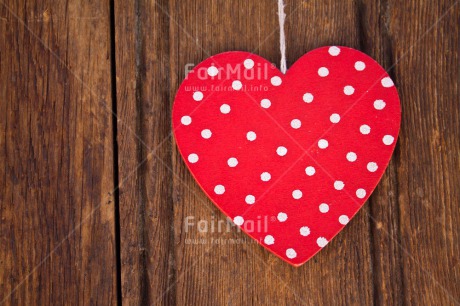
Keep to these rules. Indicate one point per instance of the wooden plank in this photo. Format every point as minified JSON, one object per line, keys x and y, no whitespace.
{"x":142,"y":59}
{"x":57,"y":232}
{"x":383,"y":204}
{"x":425,"y":41}
{"x":244,"y":273}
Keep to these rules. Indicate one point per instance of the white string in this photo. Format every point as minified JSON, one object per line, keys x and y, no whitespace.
{"x":282,"y":17}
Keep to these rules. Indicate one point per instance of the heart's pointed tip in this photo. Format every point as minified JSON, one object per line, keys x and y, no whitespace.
{"x":296,"y":265}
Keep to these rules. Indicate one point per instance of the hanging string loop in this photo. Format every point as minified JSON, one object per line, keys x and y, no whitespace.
{"x":282,"y":17}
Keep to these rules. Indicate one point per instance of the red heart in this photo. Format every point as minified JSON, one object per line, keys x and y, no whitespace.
{"x":289,"y":158}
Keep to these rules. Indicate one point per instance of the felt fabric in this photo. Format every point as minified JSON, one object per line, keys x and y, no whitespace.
{"x":290,"y":158}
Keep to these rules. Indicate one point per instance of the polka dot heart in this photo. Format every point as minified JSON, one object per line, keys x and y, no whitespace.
{"x":302,"y":150}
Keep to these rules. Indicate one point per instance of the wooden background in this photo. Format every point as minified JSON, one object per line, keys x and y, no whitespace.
{"x":86,"y":90}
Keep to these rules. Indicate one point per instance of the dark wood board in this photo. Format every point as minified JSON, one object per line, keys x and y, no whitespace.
{"x":425,"y":45}
{"x":57,"y":226}
{"x":144,"y":142}
{"x":65,"y":67}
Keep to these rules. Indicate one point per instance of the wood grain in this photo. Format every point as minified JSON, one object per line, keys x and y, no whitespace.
{"x":425,"y":50}
{"x":376,"y":40}
{"x":144,"y":142}
{"x":57,"y":231}
{"x":59,"y":218}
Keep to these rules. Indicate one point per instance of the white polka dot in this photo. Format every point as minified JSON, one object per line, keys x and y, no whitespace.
{"x":335,"y":118}
{"x":324,"y":208}
{"x":219,"y":189}
{"x":193,"y":158}
{"x":232,"y":162}
{"x":365,"y":129}
{"x":379,"y":104}
{"x":295,"y":123}
{"x":307,"y":97}
{"x":297,"y":194}
{"x":343,"y":219}
{"x":186,"y":120}
{"x":236,"y":85}
{"x":265,"y":103}
{"x":323,"y":72}
{"x":323,"y":143}
{"x":248,"y":63}
{"x":238,"y":220}
{"x":251,"y":136}
{"x":282,"y":217}
{"x":213,"y":71}
{"x":250,"y":199}
{"x":322,"y":242}
{"x":269,"y":240}
{"x":387,"y":82}
{"x":360,"y":66}
{"x":334,"y":51}
{"x":338,"y":185}
{"x":360,"y":193}
{"x":388,"y":139}
{"x":265,"y":176}
{"x":206,"y":134}
{"x":351,"y":156}
{"x":276,"y":81}
{"x":348,"y":90}
{"x":372,"y":167}
{"x":281,"y":151}
{"x":291,"y":253}
{"x":310,"y":170}
{"x":305,"y":231}
{"x":197,"y":96}
{"x":225,"y":109}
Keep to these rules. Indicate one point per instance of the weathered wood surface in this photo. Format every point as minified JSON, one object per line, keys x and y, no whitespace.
{"x":144,"y":142}
{"x":61,"y":162}
{"x":57,"y":226}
